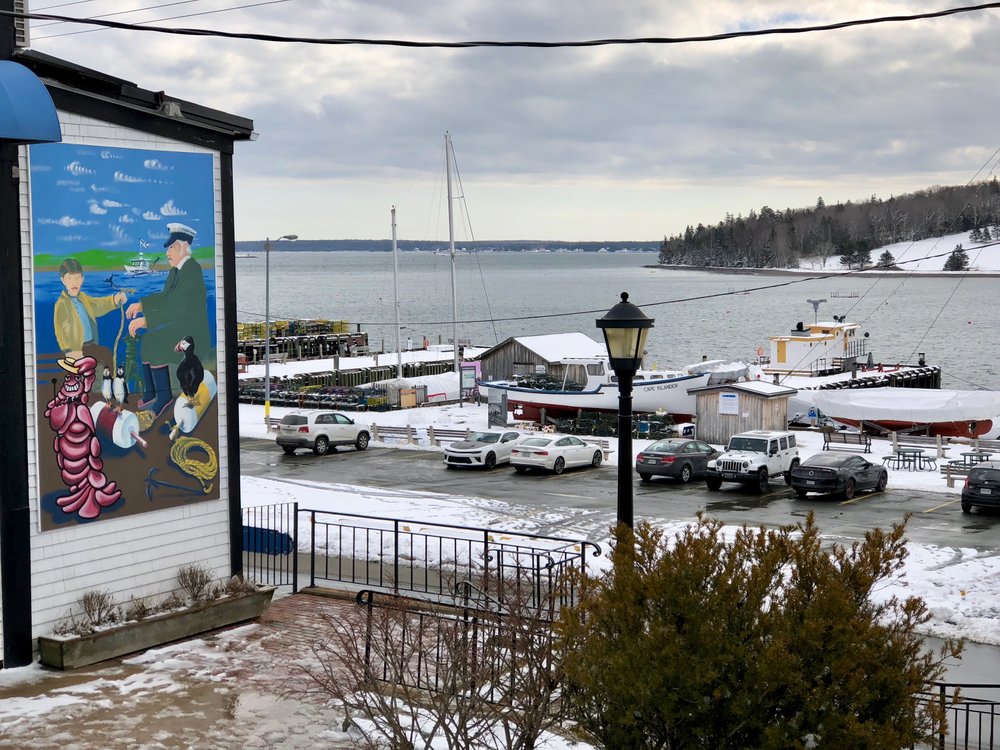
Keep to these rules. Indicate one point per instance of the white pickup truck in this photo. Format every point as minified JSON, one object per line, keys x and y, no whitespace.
{"x":753,"y":457}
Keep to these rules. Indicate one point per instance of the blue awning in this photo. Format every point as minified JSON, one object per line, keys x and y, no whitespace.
{"x":27,"y":114}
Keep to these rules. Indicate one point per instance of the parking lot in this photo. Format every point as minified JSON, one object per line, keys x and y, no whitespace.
{"x":935,"y":518}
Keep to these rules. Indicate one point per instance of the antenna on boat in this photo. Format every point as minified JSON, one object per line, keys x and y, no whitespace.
{"x":815,"y":303}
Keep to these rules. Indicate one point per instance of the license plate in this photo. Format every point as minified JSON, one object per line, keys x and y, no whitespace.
{"x":985,"y":491}
{"x":810,"y":481}
{"x":730,"y":475}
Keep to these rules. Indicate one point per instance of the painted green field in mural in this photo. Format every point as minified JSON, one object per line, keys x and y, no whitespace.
{"x":116,"y":260}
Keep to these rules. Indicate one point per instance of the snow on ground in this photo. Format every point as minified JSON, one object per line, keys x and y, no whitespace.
{"x":923,"y":256}
{"x":961,"y":586}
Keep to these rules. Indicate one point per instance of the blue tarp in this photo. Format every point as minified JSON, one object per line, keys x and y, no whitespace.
{"x":27,"y":114}
{"x":267,"y":541}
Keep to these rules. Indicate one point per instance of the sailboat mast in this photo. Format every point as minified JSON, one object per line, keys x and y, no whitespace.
{"x":395,"y":296}
{"x":451,"y":249}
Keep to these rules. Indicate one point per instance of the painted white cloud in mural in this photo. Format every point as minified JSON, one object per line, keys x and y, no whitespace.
{"x":126,"y":219}
{"x":108,"y":203}
{"x":94,"y":188}
{"x":66,"y":183}
{"x":118,"y":233}
{"x":71,"y":238}
{"x":96,"y":208}
{"x":110,"y":155}
{"x":122,"y":177}
{"x":63,"y":221}
{"x":156,"y":164}
{"x":77,"y":169}
{"x":151,"y":216}
{"x":169,"y":209}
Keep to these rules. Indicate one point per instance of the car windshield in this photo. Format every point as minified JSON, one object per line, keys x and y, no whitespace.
{"x":484,"y":437}
{"x":667,"y":446}
{"x":748,"y":444}
{"x":536,"y":441}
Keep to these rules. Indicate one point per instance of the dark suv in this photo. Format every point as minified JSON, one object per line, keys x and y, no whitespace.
{"x":982,"y":486}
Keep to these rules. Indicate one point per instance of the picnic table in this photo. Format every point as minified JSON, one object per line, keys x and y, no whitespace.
{"x":912,"y":459}
{"x":971,"y":458}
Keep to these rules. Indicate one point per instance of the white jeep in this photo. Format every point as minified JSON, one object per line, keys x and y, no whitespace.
{"x":753,"y":457}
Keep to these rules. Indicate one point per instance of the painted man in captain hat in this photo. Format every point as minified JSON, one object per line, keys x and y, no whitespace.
{"x":180,"y":310}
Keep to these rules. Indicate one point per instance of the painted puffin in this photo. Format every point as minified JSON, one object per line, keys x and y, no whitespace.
{"x":106,"y":383}
{"x":119,"y":387}
{"x":190,"y":372}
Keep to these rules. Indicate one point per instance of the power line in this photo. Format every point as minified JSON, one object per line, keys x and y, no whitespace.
{"x":522,"y":43}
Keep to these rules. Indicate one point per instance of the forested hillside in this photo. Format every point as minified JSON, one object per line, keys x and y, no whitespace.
{"x":779,"y":239}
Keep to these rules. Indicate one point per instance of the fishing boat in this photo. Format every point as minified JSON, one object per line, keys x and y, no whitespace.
{"x":244,"y":255}
{"x":935,"y":411}
{"x":652,"y":391}
{"x":140,"y":265}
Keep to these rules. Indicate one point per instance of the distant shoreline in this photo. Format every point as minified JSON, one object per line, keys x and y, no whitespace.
{"x":830,"y":274}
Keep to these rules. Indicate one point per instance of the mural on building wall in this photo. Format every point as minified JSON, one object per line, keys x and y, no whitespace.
{"x":124,"y":286}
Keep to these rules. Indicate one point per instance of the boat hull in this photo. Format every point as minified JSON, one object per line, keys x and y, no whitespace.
{"x":669,"y":395}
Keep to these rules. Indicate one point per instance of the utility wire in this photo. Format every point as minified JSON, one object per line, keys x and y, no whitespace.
{"x":654,"y":40}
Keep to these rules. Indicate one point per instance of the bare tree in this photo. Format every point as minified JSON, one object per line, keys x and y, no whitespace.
{"x":480,"y":671}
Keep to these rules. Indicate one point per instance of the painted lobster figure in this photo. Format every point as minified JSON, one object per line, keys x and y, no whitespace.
{"x":77,"y":449}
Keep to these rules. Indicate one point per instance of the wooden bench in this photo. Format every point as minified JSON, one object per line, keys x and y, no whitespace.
{"x":411,"y":435}
{"x":848,"y":439}
{"x":603,"y":443}
{"x":953,"y":469}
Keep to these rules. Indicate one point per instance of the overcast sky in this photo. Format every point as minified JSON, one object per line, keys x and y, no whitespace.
{"x":607,"y":143}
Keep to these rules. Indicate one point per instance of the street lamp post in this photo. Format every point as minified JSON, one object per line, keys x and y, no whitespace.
{"x":625,"y":328}
{"x":267,"y":325}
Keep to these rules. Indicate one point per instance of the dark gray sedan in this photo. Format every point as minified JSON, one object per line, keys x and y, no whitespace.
{"x":674,"y":457}
{"x":835,"y":473}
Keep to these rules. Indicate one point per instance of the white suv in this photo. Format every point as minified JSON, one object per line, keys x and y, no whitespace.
{"x":320,"y":430}
{"x":753,"y":457}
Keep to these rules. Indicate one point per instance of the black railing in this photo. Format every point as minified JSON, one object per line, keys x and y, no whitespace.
{"x":270,"y":544}
{"x":973,"y":717}
{"x":430,"y":558}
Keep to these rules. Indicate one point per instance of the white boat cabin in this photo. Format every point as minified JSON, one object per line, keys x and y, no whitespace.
{"x":814,"y":349}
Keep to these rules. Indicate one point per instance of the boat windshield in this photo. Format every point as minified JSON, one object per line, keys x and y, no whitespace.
{"x":756,"y":445}
{"x":484,"y":437}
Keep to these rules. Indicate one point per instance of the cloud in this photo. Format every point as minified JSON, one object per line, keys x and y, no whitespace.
{"x":96,"y":208}
{"x":108,"y":203}
{"x":77,"y":169}
{"x":156,"y":164}
{"x":94,"y":188}
{"x":169,"y":209}
{"x":119,"y":235}
{"x":151,"y":216}
{"x":122,"y":177}
{"x":41,"y":167}
{"x":71,"y":238}
{"x":126,"y":219}
{"x":110,"y":155}
{"x":63,"y":221}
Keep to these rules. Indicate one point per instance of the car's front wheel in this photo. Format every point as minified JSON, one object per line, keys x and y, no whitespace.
{"x":490,"y":461}
{"x":321,"y":446}
{"x":763,"y":480}
{"x":559,"y":466}
{"x":883,"y":480}
{"x":362,"y":441}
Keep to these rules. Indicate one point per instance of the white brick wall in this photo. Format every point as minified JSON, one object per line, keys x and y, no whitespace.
{"x":136,"y":555}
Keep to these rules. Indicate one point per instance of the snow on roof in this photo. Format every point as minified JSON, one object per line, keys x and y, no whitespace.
{"x":556,"y":346}
{"x":758,"y":387}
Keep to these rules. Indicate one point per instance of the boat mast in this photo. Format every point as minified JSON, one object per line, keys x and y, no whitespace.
{"x":451,"y":249}
{"x":395,"y":297}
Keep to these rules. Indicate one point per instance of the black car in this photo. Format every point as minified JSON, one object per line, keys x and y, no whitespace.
{"x":982,"y":486}
{"x":674,"y":457}
{"x":831,"y":472}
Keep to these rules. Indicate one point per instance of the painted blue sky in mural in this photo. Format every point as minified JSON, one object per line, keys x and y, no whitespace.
{"x":117,"y":198}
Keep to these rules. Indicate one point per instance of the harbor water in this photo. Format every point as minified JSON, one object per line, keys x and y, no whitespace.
{"x":698,"y":314}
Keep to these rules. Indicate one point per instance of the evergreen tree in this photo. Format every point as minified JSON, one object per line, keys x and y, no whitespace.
{"x":758,"y":639}
{"x":958,"y":260}
{"x":987,"y":237}
{"x":976,"y":235}
{"x":885,"y":260}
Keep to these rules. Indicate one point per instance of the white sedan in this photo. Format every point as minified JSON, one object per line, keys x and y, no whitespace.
{"x":555,"y":453}
{"x":486,"y":449}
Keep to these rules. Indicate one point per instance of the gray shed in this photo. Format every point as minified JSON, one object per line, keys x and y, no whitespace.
{"x":540,"y":355}
{"x":724,"y":410}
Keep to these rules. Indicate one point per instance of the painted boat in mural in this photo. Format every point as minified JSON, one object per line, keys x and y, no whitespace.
{"x":140,"y":265}
{"x":652,"y":391}
{"x":937,"y":411}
